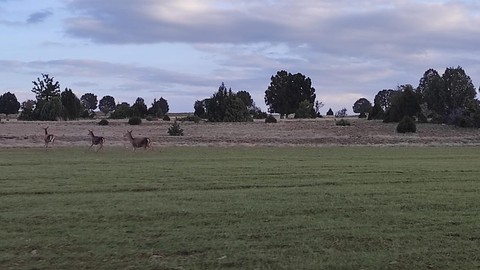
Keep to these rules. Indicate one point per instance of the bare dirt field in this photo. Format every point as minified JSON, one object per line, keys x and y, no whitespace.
{"x":316,"y":132}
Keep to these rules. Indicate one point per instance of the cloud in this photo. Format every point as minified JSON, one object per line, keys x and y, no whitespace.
{"x":349,"y":48}
{"x":304,"y":30}
{"x":39,"y":16}
{"x":163,"y":21}
{"x":118,"y":77}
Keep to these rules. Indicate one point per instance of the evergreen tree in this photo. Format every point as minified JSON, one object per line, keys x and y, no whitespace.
{"x":51,"y":110}
{"x":9,"y":103}
{"x":286,"y":91}
{"x":139,"y":108}
{"x":225,"y":106}
{"x":200,"y":108}
{"x":107,"y":104}
{"x":89,"y":102}
{"x":305,"y":110}
{"x":405,"y":103}
{"x":72,"y":105}
{"x":159,"y":107}
{"x":45,"y":88}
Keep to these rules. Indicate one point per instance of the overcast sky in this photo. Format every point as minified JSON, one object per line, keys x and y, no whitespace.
{"x":182,"y":50}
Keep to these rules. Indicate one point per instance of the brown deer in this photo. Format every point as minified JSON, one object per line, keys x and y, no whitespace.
{"x":96,"y":140}
{"x":138,"y":142}
{"x":49,"y":138}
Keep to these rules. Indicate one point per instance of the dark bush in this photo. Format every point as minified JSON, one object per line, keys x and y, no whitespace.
{"x":103,"y":122}
{"x":166,"y":118}
{"x":175,"y":130}
{"x":86,"y":114}
{"x":259,"y":115}
{"x":270,"y":119}
{"x":407,"y":124}
{"x":134,"y":121}
{"x":342,"y":122}
{"x":149,"y":118}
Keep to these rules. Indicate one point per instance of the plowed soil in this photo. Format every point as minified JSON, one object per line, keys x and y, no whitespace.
{"x":316,"y":132}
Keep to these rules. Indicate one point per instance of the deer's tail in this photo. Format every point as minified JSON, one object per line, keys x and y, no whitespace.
{"x":149,"y":142}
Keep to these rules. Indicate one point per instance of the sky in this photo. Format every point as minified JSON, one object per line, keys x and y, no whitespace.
{"x":182,"y":50}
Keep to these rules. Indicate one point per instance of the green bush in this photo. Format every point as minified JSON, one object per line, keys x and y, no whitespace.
{"x":175,"y":130}
{"x":103,"y":122}
{"x":342,"y":122}
{"x":166,"y":118}
{"x":149,"y":118}
{"x":134,"y":121}
{"x":270,"y":119}
{"x":407,"y":124}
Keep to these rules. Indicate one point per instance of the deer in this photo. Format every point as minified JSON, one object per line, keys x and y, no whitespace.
{"x":138,"y":142}
{"x":49,"y":138}
{"x":96,"y":140}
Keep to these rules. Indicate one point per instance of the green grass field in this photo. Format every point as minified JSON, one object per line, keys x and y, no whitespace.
{"x":241,"y":208}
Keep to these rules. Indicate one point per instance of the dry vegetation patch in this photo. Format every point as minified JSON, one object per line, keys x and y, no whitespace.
{"x":289,"y":132}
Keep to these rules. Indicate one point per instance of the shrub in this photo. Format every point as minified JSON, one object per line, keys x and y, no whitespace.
{"x":103,"y":122}
{"x":149,"y":118}
{"x":175,"y":130}
{"x":342,"y":122}
{"x":407,"y":124}
{"x":87,"y":114}
{"x":341,"y":113}
{"x":134,"y":120}
{"x":270,"y":119}
{"x":258,"y":114}
{"x":166,"y":118}
{"x":191,"y":118}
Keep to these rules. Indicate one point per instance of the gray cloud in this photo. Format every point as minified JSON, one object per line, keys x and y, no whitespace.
{"x":348,"y":47}
{"x":39,"y":16}
{"x":166,"y":21}
{"x":126,"y":78}
{"x":395,"y":31}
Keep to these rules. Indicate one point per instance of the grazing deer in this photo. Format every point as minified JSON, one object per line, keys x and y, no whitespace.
{"x":49,"y":138}
{"x":138,"y":142}
{"x":96,"y":140}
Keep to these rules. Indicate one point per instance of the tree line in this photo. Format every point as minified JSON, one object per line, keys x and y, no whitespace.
{"x":51,"y":104}
{"x":287,"y":94}
{"x":449,"y":98}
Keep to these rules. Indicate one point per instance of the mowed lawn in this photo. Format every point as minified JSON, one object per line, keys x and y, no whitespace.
{"x":241,"y":208}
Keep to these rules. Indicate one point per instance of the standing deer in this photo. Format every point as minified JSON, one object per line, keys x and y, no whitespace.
{"x":138,"y":142}
{"x":96,"y":140}
{"x":49,"y":138}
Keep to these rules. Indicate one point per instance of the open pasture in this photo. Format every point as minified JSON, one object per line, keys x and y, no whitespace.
{"x":350,"y":207}
{"x":291,"y":132}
